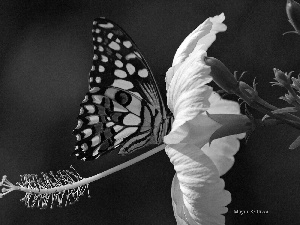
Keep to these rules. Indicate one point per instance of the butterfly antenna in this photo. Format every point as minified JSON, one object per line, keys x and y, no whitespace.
{"x":62,"y":188}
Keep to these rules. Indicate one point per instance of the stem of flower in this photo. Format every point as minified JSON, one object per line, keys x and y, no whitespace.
{"x":292,"y":123}
{"x":251,"y":97}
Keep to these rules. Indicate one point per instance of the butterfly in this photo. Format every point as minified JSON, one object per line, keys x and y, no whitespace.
{"x":123,"y":109}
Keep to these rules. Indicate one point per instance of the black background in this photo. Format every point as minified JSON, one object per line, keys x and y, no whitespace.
{"x":45,"y":57}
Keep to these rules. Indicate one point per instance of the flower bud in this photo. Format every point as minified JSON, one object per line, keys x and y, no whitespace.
{"x":248,"y":91}
{"x":288,"y":98}
{"x":296,"y":83}
{"x":293,"y":13}
{"x":282,"y":78}
{"x":221,"y":75}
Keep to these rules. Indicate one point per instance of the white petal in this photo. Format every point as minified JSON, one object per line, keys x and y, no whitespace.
{"x":221,"y":151}
{"x":200,"y":197}
{"x":177,"y":203}
{"x":211,"y":25}
{"x":222,"y":106}
{"x":187,"y":92}
{"x":196,"y":131}
{"x":188,"y":82}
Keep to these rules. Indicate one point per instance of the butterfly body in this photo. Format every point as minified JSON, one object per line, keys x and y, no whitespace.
{"x":123,"y":109}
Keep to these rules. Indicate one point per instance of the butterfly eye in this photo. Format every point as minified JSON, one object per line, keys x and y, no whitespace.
{"x":123,"y":109}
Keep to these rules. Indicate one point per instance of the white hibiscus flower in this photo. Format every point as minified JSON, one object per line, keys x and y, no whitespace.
{"x":198,"y":194}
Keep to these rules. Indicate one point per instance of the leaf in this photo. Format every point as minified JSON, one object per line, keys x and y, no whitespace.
{"x":231,"y":124}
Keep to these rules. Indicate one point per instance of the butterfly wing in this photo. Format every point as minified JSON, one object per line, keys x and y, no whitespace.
{"x":123,"y":109}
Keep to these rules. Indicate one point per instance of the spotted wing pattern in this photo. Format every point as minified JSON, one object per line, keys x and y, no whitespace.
{"x":123,"y":109}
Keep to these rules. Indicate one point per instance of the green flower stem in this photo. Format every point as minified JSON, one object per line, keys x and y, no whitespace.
{"x":285,"y":117}
{"x":293,"y":121}
{"x":250,"y":96}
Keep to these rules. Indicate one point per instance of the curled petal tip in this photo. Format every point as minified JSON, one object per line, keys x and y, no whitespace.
{"x":204,"y":35}
{"x":218,"y":18}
